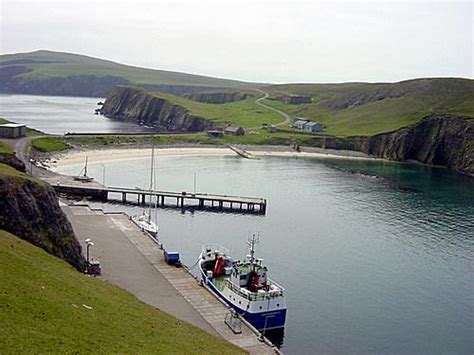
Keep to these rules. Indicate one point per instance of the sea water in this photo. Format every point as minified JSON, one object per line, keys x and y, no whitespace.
{"x":376,"y":257}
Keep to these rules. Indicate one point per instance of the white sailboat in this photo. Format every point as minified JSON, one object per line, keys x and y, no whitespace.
{"x":144,"y":220}
{"x":83,"y":175}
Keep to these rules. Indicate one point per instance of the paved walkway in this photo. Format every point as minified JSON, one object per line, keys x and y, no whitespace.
{"x":131,"y":260}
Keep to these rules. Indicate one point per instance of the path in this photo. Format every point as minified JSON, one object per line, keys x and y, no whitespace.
{"x":284,"y":114}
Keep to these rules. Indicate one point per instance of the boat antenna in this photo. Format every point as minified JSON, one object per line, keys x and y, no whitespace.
{"x":254,"y":239}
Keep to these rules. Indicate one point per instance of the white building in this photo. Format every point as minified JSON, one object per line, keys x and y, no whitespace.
{"x":12,"y":130}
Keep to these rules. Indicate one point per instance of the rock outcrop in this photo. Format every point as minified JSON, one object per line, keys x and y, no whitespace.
{"x":438,"y":140}
{"x":142,"y":107}
{"x":217,"y":97}
{"x":445,"y":140}
{"x":29,"y":209}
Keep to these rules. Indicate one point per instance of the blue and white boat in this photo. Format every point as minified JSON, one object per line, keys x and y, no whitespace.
{"x":244,"y":286}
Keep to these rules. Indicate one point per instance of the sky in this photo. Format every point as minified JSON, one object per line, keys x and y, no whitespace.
{"x":259,"y":40}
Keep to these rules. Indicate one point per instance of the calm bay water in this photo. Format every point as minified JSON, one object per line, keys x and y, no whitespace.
{"x":376,"y":257}
{"x":60,"y":114}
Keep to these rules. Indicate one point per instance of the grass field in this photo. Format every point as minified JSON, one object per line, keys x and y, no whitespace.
{"x":48,"y":307}
{"x":245,"y":113}
{"x":367,"y":109}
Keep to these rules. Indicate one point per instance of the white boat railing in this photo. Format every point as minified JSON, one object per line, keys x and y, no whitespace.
{"x":215,"y":248}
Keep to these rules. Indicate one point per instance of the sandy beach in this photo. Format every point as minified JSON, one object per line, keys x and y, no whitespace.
{"x":77,"y":157}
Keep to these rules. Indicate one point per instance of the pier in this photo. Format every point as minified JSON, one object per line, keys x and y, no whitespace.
{"x":132,"y":260}
{"x":181,"y":200}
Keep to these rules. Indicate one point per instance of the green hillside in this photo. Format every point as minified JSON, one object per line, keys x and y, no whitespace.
{"x":45,"y":64}
{"x":48,"y":307}
{"x":245,"y":113}
{"x":367,"y":109}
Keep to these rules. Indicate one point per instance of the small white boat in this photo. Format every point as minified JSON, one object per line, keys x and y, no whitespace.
{"x":83,"y":175}
{"x":144,"y":221}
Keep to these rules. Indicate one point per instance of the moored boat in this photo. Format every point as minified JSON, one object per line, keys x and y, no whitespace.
{"x":144,"y":221}
{"x":244,"y":285}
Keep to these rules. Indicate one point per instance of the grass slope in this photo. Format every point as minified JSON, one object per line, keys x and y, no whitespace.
{"x":41,"y":311}
{"x":49,"y":144}
{"x":367,"y":109}
{"x":48,"y":64}
{"x":245,"y":113}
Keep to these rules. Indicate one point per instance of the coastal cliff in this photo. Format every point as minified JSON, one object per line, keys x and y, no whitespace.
{"x":217,"y":97}
{"x":29,"y":209}
{"x":438,"y":140}
{"x":445,"y":140}
{"x":142,"y":107}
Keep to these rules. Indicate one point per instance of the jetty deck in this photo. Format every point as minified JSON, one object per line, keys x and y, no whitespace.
{"x":131,"y":260}
{"x":183,"y":199}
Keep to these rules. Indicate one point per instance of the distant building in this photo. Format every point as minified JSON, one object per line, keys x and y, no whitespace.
{"x":308,"y":126}
{"x":295,"y":99}
{"x":299,"y":124}
{"x":215,"y":134}
{"x":234,"y":131}
{"x":313,"y":127}
{"x":12,"y":130}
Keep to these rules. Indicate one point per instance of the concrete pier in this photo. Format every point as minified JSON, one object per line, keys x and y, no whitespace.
{"x":131,"y":260}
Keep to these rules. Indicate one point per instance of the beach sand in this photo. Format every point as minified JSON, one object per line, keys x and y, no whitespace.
{"x":77,"y":157}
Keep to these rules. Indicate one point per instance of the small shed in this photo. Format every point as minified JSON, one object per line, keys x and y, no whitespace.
{"x":215,"y":134}
{"x":12,"y":130}
{"x":313,"y":127}
{"x":299,"y":124}
{"x":234,"y":131}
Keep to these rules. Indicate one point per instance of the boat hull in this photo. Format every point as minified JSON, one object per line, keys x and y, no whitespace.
{"x":261,"y":321}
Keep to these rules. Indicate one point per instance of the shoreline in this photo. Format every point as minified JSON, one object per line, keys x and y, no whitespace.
{"x":105,"y":154}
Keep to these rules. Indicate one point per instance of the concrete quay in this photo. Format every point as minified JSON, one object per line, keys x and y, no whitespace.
{"x":133,"y":261}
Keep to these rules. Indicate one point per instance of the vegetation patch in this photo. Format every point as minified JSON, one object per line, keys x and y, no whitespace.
{"x":48,"y":307}
{"x":245,"y":113}
{"x":50,"y":144}
{"x":4,"y":148}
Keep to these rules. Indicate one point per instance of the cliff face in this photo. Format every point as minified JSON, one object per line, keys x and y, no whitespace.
{"x":444,"y":140}
{"x":29,"y":209}
{"x":131,"y":104}
{"x":217,"y":97}
{"x":439,"y":140}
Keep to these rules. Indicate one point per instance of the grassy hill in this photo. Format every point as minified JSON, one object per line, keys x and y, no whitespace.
{"x":367,"y":109}
{"x":48,"y":307}
{"x":245,"y":113}
{"x":45,"y":64}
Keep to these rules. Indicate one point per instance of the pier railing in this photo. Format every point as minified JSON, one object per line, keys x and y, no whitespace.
{"x":183,"y":199}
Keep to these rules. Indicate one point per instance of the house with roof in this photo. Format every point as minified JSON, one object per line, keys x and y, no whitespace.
{"x":307,"y":126}
{"x":12,"y":130}
{"x":234,"y":131}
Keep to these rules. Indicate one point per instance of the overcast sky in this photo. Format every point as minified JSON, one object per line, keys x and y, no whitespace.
{"x":264,"y":41}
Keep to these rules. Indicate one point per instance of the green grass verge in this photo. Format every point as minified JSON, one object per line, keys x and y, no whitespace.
{"x":41,"y":311}
{"x":50,"y":144}
{"x":5,"y":148}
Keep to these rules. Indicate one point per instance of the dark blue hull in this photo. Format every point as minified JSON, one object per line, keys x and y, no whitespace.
{"x":262,"y":320}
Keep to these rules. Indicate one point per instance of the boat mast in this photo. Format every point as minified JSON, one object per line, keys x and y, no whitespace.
{"x":85,"y":169}
{"x":151,"y":179}
{"x":251,"y":242}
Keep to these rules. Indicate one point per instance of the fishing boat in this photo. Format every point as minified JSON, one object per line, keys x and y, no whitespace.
{"x":144,"y":221}
{"x":244,"y":285}
{"x":83,"y":175}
